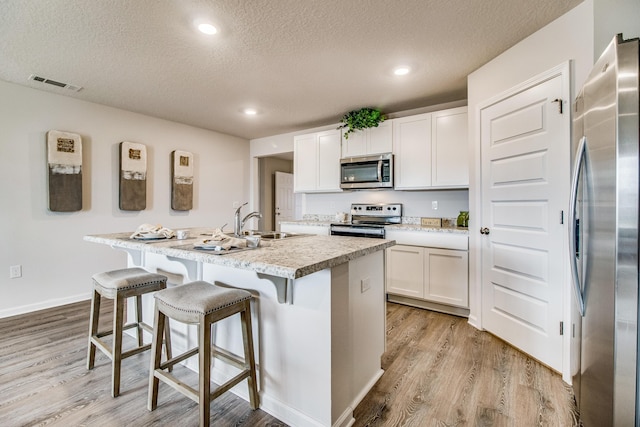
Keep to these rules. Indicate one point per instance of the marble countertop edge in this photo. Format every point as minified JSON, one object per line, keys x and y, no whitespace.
{"x":290,"y":258}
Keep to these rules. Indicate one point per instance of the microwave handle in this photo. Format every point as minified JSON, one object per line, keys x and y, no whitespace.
{"x":379,"y":170}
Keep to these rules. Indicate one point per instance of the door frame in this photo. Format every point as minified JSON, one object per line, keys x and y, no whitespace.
{"x":476,"y":199}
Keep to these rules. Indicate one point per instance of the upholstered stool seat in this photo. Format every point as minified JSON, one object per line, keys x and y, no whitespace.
{"x":119,"y":285}
{"x":202,"y":303}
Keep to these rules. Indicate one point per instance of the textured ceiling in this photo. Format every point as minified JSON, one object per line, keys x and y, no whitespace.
{"x":300,"y":63}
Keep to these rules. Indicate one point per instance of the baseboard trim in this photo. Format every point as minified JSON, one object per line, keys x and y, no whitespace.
{"x":29,"y":308}
{"x":429,"y":305}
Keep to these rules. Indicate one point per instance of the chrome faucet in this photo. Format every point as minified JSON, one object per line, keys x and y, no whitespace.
{"x":238,"y":224}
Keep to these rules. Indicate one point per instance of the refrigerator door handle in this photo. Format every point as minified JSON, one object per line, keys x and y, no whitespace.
{"x":577,"y":285}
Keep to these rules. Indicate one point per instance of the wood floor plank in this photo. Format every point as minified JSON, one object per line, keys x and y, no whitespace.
{"x":439,"y":371}
{"x":443,"y":372}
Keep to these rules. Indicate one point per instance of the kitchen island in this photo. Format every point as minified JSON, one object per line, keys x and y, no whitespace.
{"x":318,"y":316}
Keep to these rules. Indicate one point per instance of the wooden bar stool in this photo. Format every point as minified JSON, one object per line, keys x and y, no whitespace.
{"x":119,"y":285}
{"x":202,"y":303}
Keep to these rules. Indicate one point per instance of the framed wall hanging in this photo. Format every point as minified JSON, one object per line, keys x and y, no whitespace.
{"x":64,"y":159}
{"x":181,"y":180}
{"x":133,"y":176}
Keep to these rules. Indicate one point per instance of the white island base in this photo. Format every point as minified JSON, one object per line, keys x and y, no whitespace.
{"x":318,"y":355}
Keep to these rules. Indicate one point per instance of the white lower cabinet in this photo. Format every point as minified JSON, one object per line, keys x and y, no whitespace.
{"x":430,"y":274}
{"x":446,"y":276}
{"x":405,"y":271}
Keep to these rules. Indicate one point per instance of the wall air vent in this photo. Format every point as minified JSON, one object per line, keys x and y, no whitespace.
{"x":54,"y":83}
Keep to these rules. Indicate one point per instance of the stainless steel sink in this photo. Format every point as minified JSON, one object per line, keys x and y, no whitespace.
{"x":277,"y":235}
{"x":271,"y":235}
{"x":252,"y":233}
{"x":281,"y":235}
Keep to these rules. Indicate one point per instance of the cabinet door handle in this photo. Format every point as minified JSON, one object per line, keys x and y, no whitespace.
{"x":484,"y":230}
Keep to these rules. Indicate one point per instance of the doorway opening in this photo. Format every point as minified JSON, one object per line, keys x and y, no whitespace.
{"x":276,"y":204}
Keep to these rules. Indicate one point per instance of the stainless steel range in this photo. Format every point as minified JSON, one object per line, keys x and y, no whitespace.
{"x":369,"y":220}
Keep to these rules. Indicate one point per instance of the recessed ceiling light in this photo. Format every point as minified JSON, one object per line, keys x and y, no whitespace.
{"x":250,"y":111}
{"x":401,"y":71}
{"x":207,"y":29}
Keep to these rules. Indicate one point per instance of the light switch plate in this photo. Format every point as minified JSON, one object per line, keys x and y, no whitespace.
{"x":431,"y":222}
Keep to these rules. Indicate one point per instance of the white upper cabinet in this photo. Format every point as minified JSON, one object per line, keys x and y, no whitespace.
{"x":376,"y":140}
{"x":412,"y":152}
{"x":316,"y":162}
{"x":449,"y":148}
{"x":431,"y":150}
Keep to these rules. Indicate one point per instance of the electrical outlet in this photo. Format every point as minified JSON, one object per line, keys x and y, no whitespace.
{"x":434,"y":205}
{"x":365,"y":285}
{"x":15,"y":271}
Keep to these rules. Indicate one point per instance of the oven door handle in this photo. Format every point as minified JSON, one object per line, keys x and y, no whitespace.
{"x":379,"y":170}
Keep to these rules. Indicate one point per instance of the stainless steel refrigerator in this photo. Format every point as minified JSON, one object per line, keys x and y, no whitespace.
{"x":604,"y":238}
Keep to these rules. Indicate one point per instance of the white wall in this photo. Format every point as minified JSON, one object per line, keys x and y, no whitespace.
{"x":570,"y":37}
{"x":613,"y":17}
{"x":57,"y":264}
{"x":414,"y":203}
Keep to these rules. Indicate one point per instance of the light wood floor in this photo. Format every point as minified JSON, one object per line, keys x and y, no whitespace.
{"x":439,"y":371}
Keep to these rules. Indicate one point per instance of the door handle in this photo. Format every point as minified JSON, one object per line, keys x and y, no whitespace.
{"x":484,"y":230}
{"x":573,"y":236}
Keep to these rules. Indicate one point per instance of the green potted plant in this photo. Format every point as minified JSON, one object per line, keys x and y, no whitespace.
{"x":361,"y":119}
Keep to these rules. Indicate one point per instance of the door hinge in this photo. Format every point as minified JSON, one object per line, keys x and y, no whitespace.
{"x":561,"y":217}
{"x":561,"y":328}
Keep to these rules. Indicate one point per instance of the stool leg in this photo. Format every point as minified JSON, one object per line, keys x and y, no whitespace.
{"x":167,"y":341}
{"x":204,"y":344}
{"x":93,"y":327}
{"x":247,"y":337}
{"x":116,"y":363}
{"x":159,"y":321}
{"x":139,"y":330}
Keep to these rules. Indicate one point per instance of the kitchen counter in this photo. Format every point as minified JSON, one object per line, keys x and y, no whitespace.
{"x":318,"y":313}
{"x":290,"y":258}
{"x":398,"y":227}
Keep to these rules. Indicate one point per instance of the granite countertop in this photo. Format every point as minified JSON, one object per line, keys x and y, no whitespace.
{"x":290,"y":258}
{"x":401,"y":227}
{"x":428,"y":229}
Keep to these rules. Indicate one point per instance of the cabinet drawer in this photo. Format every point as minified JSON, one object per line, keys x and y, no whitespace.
{"x":442,"y":240}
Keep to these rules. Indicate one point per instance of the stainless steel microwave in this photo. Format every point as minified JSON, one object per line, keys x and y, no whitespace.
{"x":367,"y":172}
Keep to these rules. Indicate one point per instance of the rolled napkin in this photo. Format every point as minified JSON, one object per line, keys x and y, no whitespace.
{"x":226,"y":242}
{"x":148,"y":230}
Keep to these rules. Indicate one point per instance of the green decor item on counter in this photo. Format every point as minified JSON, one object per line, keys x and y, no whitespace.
{"x":361,"y":119}
{"x":463,"y":219}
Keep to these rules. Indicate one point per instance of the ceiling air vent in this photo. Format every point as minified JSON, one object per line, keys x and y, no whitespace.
{"x":54,"y":83}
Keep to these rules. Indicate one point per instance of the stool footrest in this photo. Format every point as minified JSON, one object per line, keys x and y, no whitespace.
{"x":192,"y":393}
{"x":177,"y":385}
{"x":143,"y":325}
{"x":228,"y":357}
{"x":136,"y":350}
{"x":184,"y":356}
{"x":229,"y":384}
{"x":102,"y":346}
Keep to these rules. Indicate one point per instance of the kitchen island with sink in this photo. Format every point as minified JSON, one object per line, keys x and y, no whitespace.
{"x":318,"y":315}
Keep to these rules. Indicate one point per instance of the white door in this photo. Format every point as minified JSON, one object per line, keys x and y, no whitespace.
{"x":525,"y":144}
{"x":284,"y":205}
